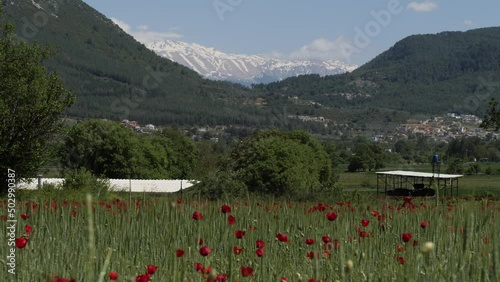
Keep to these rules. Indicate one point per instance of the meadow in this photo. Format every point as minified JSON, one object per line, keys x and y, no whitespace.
{"x":174,"y":239}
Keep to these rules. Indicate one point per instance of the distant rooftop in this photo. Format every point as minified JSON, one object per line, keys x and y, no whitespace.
{"x":420,"y":174}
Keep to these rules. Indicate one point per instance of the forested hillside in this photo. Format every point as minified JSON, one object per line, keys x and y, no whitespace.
{"x":428,"y":74}
{"x":114,"y":76}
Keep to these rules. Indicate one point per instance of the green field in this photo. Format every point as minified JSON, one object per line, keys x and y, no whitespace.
{"x":367,"y":241}
{"x":469,"y":185}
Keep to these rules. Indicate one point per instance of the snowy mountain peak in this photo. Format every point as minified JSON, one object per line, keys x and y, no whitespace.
{"x":247,"y":69}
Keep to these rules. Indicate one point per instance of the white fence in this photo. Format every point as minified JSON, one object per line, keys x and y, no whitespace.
{"x":125,"y":185}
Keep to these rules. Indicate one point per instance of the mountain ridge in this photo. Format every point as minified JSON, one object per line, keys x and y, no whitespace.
{"x":246,"y":69}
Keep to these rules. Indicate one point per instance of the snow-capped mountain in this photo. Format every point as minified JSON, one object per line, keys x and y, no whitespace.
{"x":247,"y":69}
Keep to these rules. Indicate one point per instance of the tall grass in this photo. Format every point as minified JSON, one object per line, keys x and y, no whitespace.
{"x":85,"y":240}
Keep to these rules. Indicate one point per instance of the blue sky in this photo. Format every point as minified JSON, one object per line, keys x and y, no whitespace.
{"x":352,"y":31}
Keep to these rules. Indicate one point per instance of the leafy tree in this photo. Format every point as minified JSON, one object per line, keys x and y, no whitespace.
{"x":182,"y":153}
{"x":31,"y":103}
{"x":275,"y":162}
{"x":455,"y":165}
{"x":492,"y":120}
{"x":109,"y":149}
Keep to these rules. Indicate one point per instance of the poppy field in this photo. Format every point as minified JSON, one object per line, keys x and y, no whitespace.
{"x":156,"y":239}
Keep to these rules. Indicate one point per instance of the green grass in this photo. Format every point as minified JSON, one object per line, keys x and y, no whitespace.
{"x":139,"y":233}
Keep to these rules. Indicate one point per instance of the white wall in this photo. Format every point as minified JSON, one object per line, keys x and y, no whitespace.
{"x":136,"y":185}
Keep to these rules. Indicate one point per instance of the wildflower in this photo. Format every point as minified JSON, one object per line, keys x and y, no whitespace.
{"x":365,"y":222}
{"x":113,"y":275}
{"x":326,"y":239}
{"x":21,"y":242}
{"x":282,"y":237}
{"x":239,"y":234}
{"x":225,"y":209}
{"x":310,"y":241}
{"x":179,"y":253}
{"x":331,"y":216}
{"x":246,"y":271}
{"x":197,"y":215}
{"x":152,"y":269}
{"x":424,"y":224}
{"x":205,"y":251}
{"x":24,"y":216}
{"x":237,"y":250}
{"x":427,"y":247}
{"x":231,"y":220}
{"x":406,"y":237}
{"x":259,"y":244}
{"x":260,"y":252}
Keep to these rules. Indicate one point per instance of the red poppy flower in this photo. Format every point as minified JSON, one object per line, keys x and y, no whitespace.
{"x":363,"y":234}
{"x":197,"y":215}
{"x":205,"y":251}
{"x":246,"y":271}
{"x":365,"y":222}
{"x":28,"y":229}
{"x":259,"y":244}
{"x":310,"y":241}
{"x":239,"y":234}
{"x":179,"y":253}
{"x":400,"y":248}
{"x":225,"y":209}
{"x":331,"y":216}
{"x":401,"y":260}
{"x":231,"y":220}
{"x":326,"y":239}
{"x":21,"y":242}
{"x":284,"y":279}
{"x":152,"y":269}
{"x":407,"y":199}
{"x":60,"y":279}
{"x":282,"y":237}
{"x":406,"y":237}
{"x":260,"y":252}
{"x":221,"y":277}
{"x":179,"y":201}
{"x":375,"y":213}
{"x":113,"y":275}
{"x":200,"y":241}
{"x":24,"y":216}
{"x":73,"y":213}
{"x":143,"y":278}
{"x":424,"y":224}
{"x":237,"y":250}
{"x":198,"y":266}
{"x":310,"y":255}
{"x":327,"y":254}
{"x":415,"y":243}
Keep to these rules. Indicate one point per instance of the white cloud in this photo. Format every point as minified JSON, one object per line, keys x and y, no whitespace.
{"x":469,"y":23}
{"x":323,"y":49}
{"x":426,"y":6}
{"x":144,"y":35}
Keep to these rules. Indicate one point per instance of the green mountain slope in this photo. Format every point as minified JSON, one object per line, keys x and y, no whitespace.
{"x":428,"y":74}
{"x":116,"y":77}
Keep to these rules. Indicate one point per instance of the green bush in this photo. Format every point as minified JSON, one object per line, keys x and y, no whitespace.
{"x":84,"y":181}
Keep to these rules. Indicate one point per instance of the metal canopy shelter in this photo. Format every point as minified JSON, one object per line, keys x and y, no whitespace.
{"x":413,"y":182}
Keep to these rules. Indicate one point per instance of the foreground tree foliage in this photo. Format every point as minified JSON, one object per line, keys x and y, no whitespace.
{"x":31,"y":103}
